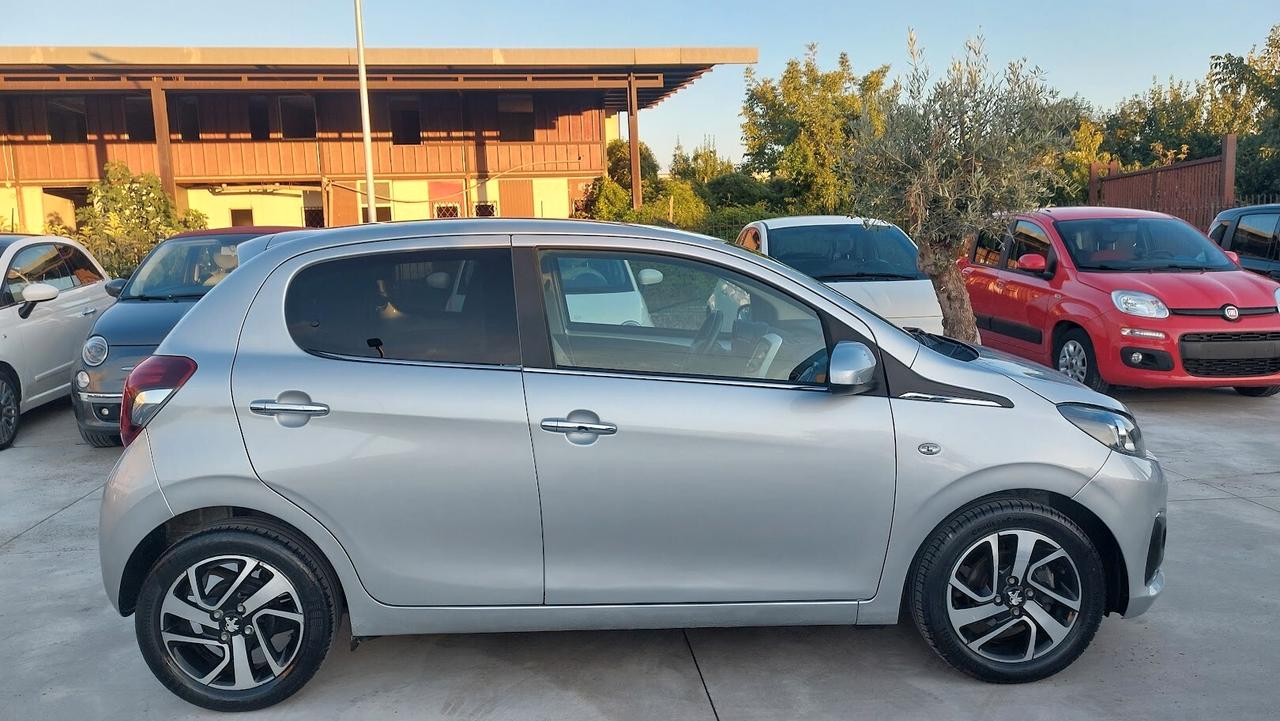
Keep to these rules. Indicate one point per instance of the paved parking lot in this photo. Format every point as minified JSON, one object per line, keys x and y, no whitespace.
{"x":1209,"y":649}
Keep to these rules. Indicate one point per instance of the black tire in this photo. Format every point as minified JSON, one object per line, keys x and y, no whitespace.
{"x":930,"y":593}
{"x":273,"y":547}
{"x":10,"y":409}
{"x":1092,"y":377}
{"x":100,"y":440}
{"x":1258,"y":391}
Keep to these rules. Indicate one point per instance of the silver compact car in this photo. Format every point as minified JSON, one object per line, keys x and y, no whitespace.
{"x":432,"y":428}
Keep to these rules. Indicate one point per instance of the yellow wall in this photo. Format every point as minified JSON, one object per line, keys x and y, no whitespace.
{"x":33,"y":202}
{"x":612,"y":127}
{"x":551,"y":198}
{"x":9,"y":208}
{"x":413,"y":191}
{"x":280,"y":207}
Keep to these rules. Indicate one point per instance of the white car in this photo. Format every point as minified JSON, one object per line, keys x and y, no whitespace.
{"x":50,"y":293}
{"x":870,"y":261}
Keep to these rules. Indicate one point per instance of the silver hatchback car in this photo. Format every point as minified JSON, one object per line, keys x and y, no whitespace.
{"x":457,"y":426}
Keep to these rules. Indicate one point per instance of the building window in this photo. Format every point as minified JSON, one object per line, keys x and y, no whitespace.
{"x":312,"y":209}
{"x":486,"y":210}
{"x":406,"y":121}
{"x":298,"y":117}
{"x":259,"y":118}
{"x":381,"y":201}
{"x":515,"y":118}
{"x":241,"y":216}
{"x":447,"y":210}
{"x":66,"y":117}
{"x":138,"y":121}
{"x":188,"y":118}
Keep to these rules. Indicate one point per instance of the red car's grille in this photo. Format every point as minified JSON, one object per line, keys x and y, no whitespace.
{"x":1232,"y":367}
{"x":1231,"y":354}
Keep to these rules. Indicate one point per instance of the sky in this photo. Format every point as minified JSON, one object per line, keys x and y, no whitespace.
{"x":1103,"y":51}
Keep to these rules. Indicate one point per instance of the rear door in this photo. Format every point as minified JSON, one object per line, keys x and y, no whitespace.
{"x":683,"y":463}
{"x":378,"y":387}
{"x":1255,"y":241}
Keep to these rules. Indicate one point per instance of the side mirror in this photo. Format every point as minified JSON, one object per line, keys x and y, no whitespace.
{"x":115,"y":286}
{"x":1234,"y":256}
{"x":649,"y":276}
{"x":1032,"y":263}
{"x":35,"y":293}
{"x":852,"y":368}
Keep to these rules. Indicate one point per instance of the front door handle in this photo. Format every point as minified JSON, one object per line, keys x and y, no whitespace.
{"x":564,"y":425}
{"x":275,"y":408}
{"x":88,"y":311}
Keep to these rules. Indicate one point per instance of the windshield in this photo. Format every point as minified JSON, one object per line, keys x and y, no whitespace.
{"x":1140,"y":244}
{"x":184,"y":267}
{"x":846,"y":251}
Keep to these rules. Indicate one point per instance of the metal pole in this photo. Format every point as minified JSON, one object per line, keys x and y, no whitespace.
{"x":371,"y":214}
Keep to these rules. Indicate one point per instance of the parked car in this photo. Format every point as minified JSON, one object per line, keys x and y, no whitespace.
{"x":871,"y":261}
{"x":168,"y":282}
{"x":1126,"y":297}
{"x":50,"y":291}
{"x":1253,"y":234}
{"x":297,"y":452}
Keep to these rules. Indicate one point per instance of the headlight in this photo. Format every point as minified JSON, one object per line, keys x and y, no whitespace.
{"x":1135,"y":302}
{"x":1277,"y":298}
{"x":1111,"y":428}
{"x":94,"y":351}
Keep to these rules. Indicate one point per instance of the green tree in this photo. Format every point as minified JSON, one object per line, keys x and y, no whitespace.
{"x":126,"y":215}
{"x":1255,"y":75}
{"x":797,"y":127}
{"x":606,"y":200}
{"x":702,"y":166}
{"x":738,"y":189}
{"x":953,"y":157}
{"x":1084,"y":150}
{"x":676,"y":203}
{"x":618,"y":163}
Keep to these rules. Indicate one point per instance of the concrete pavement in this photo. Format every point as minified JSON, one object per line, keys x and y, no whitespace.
{"x":1210,"y":647}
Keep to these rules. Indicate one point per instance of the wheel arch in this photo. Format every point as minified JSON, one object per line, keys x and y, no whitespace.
{"x":1114,"y":569}
{"x":178,"y":527}
{"x":12,"y":372}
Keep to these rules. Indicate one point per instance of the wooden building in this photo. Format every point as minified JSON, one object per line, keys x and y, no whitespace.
{"x":273,"y":135}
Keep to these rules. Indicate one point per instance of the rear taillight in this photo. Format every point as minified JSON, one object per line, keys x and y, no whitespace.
{"x":149,"y":385}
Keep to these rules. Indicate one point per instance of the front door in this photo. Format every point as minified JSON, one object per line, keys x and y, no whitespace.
{"x":981,"y":273}
{"x":1028,"y":295}
{"x":696,"y":456}
{"x":52,"y":334}
{"x":384,"y":397}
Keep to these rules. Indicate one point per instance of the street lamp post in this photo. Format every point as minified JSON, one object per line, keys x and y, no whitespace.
{"x":371,"y":213}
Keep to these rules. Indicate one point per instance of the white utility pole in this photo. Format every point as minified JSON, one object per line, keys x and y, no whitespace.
{"x":371,"y":214}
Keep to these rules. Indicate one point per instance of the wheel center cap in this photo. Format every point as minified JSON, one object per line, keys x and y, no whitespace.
{"x":1014,"y":596}
{"x":231,"y":624}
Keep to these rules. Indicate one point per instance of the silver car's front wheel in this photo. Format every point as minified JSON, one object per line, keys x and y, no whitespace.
{"x":1014,"y":596}
{"x":237,"y":617}
{"x":1008,"y":591}
{"x":9,"y":410}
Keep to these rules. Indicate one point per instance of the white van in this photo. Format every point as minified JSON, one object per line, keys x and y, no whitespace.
{"x":871,"y":261}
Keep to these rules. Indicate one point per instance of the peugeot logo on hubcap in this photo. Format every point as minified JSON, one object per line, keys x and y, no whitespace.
{"x":1015,"y":596}
{"x":1230,"y":312}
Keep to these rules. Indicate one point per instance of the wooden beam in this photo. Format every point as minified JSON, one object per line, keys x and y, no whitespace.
{"x":633,"y":138}
{"x":16,"y":83}
{"x":1229,"y":170}
{"x":164,"y":156}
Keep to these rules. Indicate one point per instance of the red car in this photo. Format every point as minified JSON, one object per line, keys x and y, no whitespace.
{"x":1125,"y":297}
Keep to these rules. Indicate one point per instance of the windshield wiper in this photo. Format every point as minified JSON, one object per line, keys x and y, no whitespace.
{"x":167,"y":296}
{"x":864,"y":276}
{"x":1174,"y":266}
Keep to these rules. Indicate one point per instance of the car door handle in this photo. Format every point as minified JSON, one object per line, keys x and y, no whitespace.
{"x":88,"y":311}
{"x":274,"y":408}
{"x":999,"y":285}
{"x":564,"y":425}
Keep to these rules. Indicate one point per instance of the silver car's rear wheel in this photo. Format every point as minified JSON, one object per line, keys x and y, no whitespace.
{"x":232,"y":622}
{"x":238,"y":616}
{"x":1013,"y":596}
{"x":9,"y":410}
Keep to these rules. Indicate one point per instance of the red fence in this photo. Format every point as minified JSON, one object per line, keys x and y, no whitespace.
{"x":1195,"y":190}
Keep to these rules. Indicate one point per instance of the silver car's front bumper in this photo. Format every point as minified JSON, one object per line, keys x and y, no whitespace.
{"x":1130,"y":495}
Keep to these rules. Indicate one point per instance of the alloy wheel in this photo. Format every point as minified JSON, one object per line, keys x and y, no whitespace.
{"x":1073,"y":360}
{"x":1014,"y":596}
{"x":232,"y":622}
{"x":8,"y":412}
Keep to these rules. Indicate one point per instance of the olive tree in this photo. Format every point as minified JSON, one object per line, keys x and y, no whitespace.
{"x":953,"y":157}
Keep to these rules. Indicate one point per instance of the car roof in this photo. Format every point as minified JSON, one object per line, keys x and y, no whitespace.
{"x":328,"y":237}
{"x":251,"y":230}
{"x":1085,"y":212}
{"x":1233,"y":213}
{"x":8,"y":239}
{"x":792,"y":221}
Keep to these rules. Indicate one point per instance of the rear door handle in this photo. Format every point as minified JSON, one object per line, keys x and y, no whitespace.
{"x":564,"y":425}
{"x":274,"y":408}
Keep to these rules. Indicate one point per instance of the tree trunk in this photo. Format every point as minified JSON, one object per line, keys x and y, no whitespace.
{"x":939,"y":264}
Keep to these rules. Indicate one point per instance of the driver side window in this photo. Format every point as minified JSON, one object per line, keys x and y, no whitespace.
{"x":644,"y":313}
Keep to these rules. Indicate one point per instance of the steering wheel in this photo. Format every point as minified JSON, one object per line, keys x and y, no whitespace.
{"x":707,"y":333}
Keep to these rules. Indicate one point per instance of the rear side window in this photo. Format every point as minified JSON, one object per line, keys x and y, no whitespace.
{"x":988,"y":249}
{"x":448,"y":306}
{"x":1255,"y":236}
